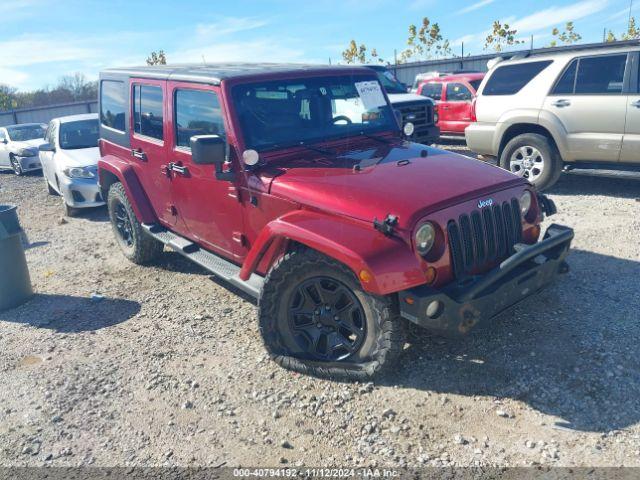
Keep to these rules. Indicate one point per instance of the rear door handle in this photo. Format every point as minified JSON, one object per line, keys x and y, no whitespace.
{"x":138,"y":153}
{"x":636,"y":104}
{"x":561,"y":103}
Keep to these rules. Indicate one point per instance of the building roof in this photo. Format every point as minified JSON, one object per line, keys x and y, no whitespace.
{"x":217,"y":72}
{"x":78,"y":117}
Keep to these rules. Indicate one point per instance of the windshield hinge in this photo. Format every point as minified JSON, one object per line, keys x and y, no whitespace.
{"x":387,"y":226}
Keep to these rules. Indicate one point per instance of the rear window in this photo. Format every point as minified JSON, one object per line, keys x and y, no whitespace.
{"x":475,"y":84}
{"x":112,"y":104}
{"x":602,"y":75}
{"x":432,"y":90}
{"x":147,"y":111}
{"x":510,"y":79}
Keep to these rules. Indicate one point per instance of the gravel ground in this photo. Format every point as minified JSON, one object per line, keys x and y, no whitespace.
{"x":112,"y":364}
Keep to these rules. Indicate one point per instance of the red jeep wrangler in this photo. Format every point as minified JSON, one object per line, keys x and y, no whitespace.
{"x":295,"y":184}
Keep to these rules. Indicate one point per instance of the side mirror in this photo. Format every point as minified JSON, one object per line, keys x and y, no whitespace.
{"x":211,"y":150}
{"x":47,"y":147}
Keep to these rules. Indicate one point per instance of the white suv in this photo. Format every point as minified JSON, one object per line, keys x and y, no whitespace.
{"x":578,"y":109}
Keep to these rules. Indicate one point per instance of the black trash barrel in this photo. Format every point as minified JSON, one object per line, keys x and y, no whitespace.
{"x":15,"y":284}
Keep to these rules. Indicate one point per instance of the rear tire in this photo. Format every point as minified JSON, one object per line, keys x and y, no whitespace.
{"x":136,"y":245}
{"x":533,"y":157}
{"x":357,"y":335}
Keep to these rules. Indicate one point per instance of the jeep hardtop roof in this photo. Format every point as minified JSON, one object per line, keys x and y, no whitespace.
{"x":214,"y":73}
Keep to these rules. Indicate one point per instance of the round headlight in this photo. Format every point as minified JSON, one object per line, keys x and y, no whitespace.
{"x":425,"y":238}
{"x":525,"y":203}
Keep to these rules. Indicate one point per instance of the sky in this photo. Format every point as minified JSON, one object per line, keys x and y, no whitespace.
{"x":42,"y":40}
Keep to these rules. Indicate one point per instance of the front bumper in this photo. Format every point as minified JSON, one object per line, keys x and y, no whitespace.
{"x":81,"y":192}
{"x":30,"y":164}
{"x":464,"y":305}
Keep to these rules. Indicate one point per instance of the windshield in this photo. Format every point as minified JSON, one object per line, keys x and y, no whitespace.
{"x":306,"y":110}
{"x":21,"y":133}
{"x":391,"y":83}
{"x":79,"y":134}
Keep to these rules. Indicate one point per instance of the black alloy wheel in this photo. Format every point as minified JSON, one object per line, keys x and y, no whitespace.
{"x":123,"y":224}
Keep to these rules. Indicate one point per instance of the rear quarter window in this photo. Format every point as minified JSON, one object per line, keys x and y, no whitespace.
{"x":112,"y":104}
{"x":510,"y":79}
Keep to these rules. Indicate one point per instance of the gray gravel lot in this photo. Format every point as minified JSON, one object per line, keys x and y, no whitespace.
{"x":168,"y":368}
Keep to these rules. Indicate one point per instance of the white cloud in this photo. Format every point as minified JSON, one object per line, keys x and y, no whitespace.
{"x":474,"y":6}
{"x":552,"y":16}
{"x":35,"y":49}
{"x":13,"y":78}
{"x":229,"y":25}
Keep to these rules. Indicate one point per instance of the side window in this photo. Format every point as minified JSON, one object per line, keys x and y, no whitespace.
{"x":457,"y":92}
{"x":197,"y":113}
{"x":147,"y":111}
{"x":567,"y":81}
{"x":112,"y":104}
{"x":432,"y":90}
{"x":601,"y":75}
{"x":3,"y":135}
{"x":510,"y":79}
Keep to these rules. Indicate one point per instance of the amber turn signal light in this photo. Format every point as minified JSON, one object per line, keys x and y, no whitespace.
{"x":365,"y":276}
{"x":430,"y":274}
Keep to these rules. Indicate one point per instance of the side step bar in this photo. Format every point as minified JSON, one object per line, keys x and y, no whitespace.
{"x":220,"y":267}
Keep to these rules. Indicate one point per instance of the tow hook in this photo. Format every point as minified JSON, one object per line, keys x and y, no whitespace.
{"x":547,"y":205}
{"x":386,"y":226}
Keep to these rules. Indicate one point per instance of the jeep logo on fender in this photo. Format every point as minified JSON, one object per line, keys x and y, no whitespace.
{"x":485,"y":203}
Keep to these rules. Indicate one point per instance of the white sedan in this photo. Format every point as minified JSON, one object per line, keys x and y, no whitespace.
{"x":19,"y":147}
{"x":69,"y":161}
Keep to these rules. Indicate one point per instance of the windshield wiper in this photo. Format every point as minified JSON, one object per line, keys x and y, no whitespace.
{"x":374,"y":137}
{"x":318,"y":150}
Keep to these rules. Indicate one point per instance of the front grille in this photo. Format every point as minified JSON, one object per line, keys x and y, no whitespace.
{"x":484,"y":236}
{"x":420,"y":114}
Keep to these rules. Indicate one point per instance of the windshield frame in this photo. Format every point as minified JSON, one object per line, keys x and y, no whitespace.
{"x":28,"y":126}
{"x":79,"y":147}
{"x":356,"y":74}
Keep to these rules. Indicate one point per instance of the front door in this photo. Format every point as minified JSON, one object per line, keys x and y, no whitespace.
{"x":209,"y":209}
{"x":4,"y":148}
{"x":456,"y":109}
{"x":589,"y":102}
{"x":631,"y":142}
{"x":149,"y":145}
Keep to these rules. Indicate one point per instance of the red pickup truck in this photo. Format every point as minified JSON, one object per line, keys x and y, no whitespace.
{"x":454,"y":95}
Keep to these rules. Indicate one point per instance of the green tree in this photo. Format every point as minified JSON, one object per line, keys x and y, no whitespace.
{"x":610,"y":37}
{"x":633,"y":32}
{"x":501,"y":36}
{"x":8,"y":99}
{"x":358,"y":54}
{"x":566,"y":37}
{"x":425,"y":42}
{"x":157,"y":58}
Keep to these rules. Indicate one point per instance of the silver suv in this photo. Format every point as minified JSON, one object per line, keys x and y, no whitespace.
{"x":578,"y":109}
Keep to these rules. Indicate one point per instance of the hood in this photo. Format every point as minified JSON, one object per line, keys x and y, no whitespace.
{"x":400,"y":178}
{"x":28,"y":144}
{"x":81,"y":157}
{"x":396,"y":98}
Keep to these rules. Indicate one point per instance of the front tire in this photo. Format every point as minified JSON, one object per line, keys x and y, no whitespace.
{"x":533,"y":157}
{"x":316,"y":319}
{"x":136,"y":245}
{"x":15,"y":165}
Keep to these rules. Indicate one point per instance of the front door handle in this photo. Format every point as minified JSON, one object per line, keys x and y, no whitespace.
{"x":636,"y":104}
{"x":138,"y":153}
{"x":561,"y":103}
{"x":178,"y":168}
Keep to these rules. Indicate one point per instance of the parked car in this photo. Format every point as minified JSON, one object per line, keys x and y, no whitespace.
{"x":414,"y":109}
{"x":577,"y":109}
{"x":69,"y":161}
{"x":420,"y":78}
{"x":19,"y":147}
{"x":453,"y":95}
{"x":341,"y":228}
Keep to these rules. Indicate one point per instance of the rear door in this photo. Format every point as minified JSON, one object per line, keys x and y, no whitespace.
{"x":209,"y":209}
{"x":149,"y":146}
{"x":631,"y":141}
{"x":456,"y":108}
{"x":589,"y":101}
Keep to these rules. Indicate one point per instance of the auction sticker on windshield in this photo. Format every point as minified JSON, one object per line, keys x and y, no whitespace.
{"x":371,"y":94}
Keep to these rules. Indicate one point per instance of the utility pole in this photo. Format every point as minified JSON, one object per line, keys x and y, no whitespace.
{"x":531,"y":43}
{"x":630,"y":7}
{"x":604,"y":35}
